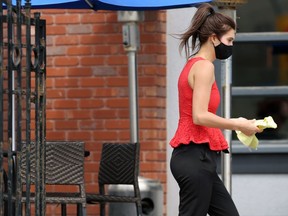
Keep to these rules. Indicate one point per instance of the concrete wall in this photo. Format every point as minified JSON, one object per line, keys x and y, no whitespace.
{"x":177,"y":21}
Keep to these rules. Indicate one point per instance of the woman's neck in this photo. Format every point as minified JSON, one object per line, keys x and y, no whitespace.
{"x":206,"y":51}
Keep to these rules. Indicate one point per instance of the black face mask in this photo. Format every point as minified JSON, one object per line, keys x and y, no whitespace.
{"x":222,"y":51}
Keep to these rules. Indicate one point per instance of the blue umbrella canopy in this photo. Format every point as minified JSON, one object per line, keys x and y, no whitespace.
{"x":114,"y":4}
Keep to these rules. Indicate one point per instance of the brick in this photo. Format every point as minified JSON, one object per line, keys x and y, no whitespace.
{"x":49,"y":19}
{"x":90,"y":125}
{"x":117,"y":81}
{"x":103,"y":28}
{"x":79,"y":135}
{"x":53,"y":114}
{"x":90,"y":104}
{"x":78,"y":114}
{"x":79,"y":93}
{"x":89,"y":61}
{"x":123,"y":113}
{"x":149,"y":92}
{"x":79,"y":72}
{"x":55,"y":12}
{"x":105,"y":71}
{"x":82,"y":12}
{"x":79,"y":50}
{"x":79,"y":29}
{"x":66,"y":40}
{"x":56,"y":72}
{"x":154,"y":49}
{"x":92,"y":166}
{"x":110,"y":92}
{"x":155,"y":156}
{"x":152,"y":102}
{"x":104,"y":114}
{"x":152,"y":167}
{"x":49,"y":83}
{"x":147,"y":59}
{"x":151,"y":16}
{"x":111,"y":17}
{"x":116,"y":124}
{"x":117,"y":60}
{"x":153,"y":113}
{"x":67,"y":19}
{"x":65,"y":125}
{"x":94,"y":18}
{"x":148,"y":81}
{"x":60,"y":50}
{"x":55,"y":93}
{"x":66,"y":61}
{"x":105,"y":50}
{"x":153,"y":145}
{"x":105,"y":135}
{"x":92,"y":81}
{"x":152,"y":124}
{"x":161,"y":60}
{"x":55,"y":135}
{"x":56,"y":30}
{"x":124,"y":135}
{"x":65,"y":104}
{"x":66,"y":83}
{"x":92,"y":39}
{"x":115,"y":39}
{"x":49,"y":125}
{"x":119,"y":102}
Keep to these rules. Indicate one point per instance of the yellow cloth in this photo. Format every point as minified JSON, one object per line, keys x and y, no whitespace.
{"x":252,"y":141}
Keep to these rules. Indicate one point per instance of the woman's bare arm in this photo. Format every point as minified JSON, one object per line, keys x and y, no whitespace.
{"x":201,"y":79}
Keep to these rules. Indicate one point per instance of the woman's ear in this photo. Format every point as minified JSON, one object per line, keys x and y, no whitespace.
{"x":214,"y":39}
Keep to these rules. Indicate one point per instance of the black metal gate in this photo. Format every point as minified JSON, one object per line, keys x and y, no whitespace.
{"x":22,"y":107}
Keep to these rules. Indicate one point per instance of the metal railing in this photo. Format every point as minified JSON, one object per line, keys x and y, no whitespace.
{"x":22,"y":93}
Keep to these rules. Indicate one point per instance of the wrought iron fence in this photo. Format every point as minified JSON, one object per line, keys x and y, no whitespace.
{"x":22,"y":106}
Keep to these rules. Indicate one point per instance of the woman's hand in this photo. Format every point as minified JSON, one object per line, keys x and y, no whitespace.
{"x":248,"y":127}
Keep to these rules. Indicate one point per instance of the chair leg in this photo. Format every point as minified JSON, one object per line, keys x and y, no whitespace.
{"x":63,"y":210}
{"x":139,"y":208}
{"x":102,"y":209}
{"x":81,"y":209}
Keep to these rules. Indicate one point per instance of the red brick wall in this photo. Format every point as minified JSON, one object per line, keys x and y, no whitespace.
{"x":87,"y":88}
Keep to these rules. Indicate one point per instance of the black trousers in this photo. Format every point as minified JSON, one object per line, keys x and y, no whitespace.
{"x":201,"y":190}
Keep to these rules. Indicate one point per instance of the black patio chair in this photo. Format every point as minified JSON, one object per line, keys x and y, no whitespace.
{"x":119,"y":164}
{"x":64,"y":166}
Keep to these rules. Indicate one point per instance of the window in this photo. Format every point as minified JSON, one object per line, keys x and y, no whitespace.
{"x":260,"y":83}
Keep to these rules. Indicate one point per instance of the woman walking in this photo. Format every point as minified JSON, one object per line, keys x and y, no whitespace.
{"x":198,"y":138}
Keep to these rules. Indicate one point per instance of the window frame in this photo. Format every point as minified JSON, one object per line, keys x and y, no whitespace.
{"x":271,"y":155}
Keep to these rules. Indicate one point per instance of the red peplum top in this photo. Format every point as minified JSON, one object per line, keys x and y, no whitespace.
{"x":187,"y":131}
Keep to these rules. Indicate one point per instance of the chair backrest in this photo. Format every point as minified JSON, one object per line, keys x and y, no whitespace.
{"x":119,"y":163}
{"x":64,"y":163}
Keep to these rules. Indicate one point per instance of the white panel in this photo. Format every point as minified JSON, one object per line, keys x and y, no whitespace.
{"x":178,"y":20}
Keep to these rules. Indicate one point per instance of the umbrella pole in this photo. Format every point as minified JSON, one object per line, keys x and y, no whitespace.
{"x":131,"y":44}
{"x":133,"y":96}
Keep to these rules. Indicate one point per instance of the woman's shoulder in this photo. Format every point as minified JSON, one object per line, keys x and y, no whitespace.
{"x":202,"y":61}
{"x":201,"y":70}
{"x":203,"y":65}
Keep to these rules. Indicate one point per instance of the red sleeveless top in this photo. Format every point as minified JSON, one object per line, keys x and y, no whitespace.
{"x":187,"y":131}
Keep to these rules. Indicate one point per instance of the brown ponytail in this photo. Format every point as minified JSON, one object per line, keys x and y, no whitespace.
{"x":205,"y":23}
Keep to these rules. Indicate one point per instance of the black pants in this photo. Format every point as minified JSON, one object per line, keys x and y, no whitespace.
{"x":201,"y":190}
